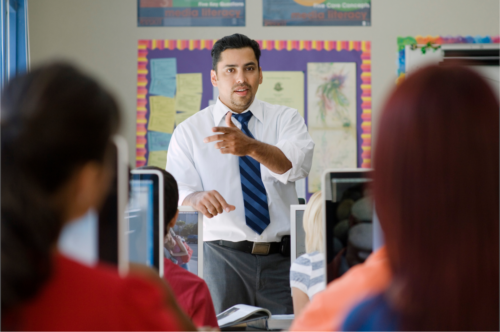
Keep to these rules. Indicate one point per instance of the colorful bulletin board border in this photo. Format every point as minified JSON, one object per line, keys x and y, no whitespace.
{"x":437,"y":40}
{"x":277,"y":55}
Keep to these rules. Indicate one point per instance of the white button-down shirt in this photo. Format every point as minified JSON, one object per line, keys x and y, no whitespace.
{"x":199,"y":166}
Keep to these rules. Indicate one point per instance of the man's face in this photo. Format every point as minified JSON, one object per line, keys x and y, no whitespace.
{"x":238,"y":77}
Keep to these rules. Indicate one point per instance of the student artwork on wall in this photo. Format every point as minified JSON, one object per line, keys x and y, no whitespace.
{"x":316,"y":12}
{"x":181,"y":13}
{"x":431,"y":43}
{"x":331,"y":119}
{"x":328,"y":82}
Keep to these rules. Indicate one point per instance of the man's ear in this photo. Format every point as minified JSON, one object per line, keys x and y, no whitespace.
{"x":172,"y":222}
{"x":260,"y":75}
{"x":213,"y":77}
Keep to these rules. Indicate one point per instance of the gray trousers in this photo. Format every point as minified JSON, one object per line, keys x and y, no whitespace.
{"x":235,"y":277}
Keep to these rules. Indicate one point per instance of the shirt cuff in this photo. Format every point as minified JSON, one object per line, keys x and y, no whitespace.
{"x":183,"y":194}
{"x":294,"y":155}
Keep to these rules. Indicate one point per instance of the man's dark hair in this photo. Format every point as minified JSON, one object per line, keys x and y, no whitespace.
{"x":170,"y":195}
{"x":233,"y":42}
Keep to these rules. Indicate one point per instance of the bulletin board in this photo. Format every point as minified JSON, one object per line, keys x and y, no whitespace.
{"x":433,"y":41}
{"x":339,"y":73}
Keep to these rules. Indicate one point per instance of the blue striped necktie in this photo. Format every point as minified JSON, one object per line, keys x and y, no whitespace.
{"x":254,"y":192}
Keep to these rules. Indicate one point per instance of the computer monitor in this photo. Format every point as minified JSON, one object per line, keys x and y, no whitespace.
{"x":101,"y":235}
{"x":189,"y":227}
{"x":146,"y":218}
{"x":297,"y":234}
{"x":347,"y":219}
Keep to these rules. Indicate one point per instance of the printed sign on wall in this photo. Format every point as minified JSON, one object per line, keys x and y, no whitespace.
{"x":317,"y":12}
{"x":183,"y":13}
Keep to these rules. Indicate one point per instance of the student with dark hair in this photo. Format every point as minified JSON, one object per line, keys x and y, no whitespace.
{"x":237,"y":162}
{"x":190,"y":290}
{"x":436,"y":188}
{"x":56,"y":125}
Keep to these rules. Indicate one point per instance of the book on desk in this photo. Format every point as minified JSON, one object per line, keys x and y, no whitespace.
{"x":247,"y":317}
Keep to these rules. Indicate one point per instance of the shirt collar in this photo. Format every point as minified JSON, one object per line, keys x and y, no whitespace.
{"x":220,"y":111}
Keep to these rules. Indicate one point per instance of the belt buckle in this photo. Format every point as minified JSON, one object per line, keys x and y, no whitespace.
{"x":260,"y":248}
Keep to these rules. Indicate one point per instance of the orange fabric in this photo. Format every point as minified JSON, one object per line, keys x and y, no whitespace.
{"x":328,"y":309}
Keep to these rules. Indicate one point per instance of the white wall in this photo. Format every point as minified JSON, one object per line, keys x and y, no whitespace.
{"x":101,"y":36}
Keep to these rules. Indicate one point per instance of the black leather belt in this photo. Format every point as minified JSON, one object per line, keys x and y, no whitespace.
{"x":255,"y":248}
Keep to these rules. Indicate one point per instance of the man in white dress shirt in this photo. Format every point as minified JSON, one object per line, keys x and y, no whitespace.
{"x":237,"y":162}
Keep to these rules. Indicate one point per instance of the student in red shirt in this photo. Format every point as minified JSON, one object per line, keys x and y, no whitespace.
{"x":56,"y":125}
{"x":190,"y":290}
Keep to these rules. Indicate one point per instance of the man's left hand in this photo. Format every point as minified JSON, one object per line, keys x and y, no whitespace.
{"x":232,"y":140}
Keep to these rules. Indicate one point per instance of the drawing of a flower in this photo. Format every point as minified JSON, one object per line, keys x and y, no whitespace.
{"x":332,"y":99}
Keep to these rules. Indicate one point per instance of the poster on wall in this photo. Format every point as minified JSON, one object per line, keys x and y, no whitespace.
{"x":331,"y":119}
{"x":317,"y":12}
{"x":283,"y":88}
{"x":328,"y":82}
{"x":182,"y":13}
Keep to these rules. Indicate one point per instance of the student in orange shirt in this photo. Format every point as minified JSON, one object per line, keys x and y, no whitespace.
{"x":190,"y":290}
{"x":328,"y":309}
{"x":56,"y":125}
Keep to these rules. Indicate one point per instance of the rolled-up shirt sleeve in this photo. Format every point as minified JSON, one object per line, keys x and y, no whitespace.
{"x":296,"y":144}
{"x":181,"y":165}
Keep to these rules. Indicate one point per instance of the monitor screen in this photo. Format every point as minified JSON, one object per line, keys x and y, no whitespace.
{"x":78,"y":239}
{"x":145,"y":219}
{"x":187,"y":248}
{"x":100,"y":235}
{"x":348,"y":220}
{"x":141,"y":225}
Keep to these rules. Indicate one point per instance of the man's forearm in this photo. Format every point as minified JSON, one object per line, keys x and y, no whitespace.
{"x":271,"y":157}
{"x":189,"y":200}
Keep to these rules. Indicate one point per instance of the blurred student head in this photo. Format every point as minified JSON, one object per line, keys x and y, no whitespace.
{"x":170,"y":197}
{"x":56,"y":124}
{"x":313,"y":225}
{"x":436,"y":191}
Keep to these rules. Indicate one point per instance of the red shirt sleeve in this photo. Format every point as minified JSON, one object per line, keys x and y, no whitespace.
{"x":203,"y":308}
{"x":192,"y":294}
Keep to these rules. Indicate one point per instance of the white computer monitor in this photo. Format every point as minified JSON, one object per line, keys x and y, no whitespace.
{"x":189,"y":226}
{"x":146,"y":218}
{"x":297,"y":234}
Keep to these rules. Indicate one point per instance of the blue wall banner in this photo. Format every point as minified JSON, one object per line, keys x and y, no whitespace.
{"x":317,"y":12}
{"x":181,"y":13}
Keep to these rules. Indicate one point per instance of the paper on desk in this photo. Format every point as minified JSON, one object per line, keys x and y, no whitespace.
{"x":189,"y":83}
{"x":158,"y":141}
{"x":187,"y":102}
{"x":158,"y":159}
{"x":283,"y":88}
{"x":163,"y":77}
{"x":162,"y":114}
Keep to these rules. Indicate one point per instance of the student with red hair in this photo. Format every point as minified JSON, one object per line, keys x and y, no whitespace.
{"x":436,"y":188}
